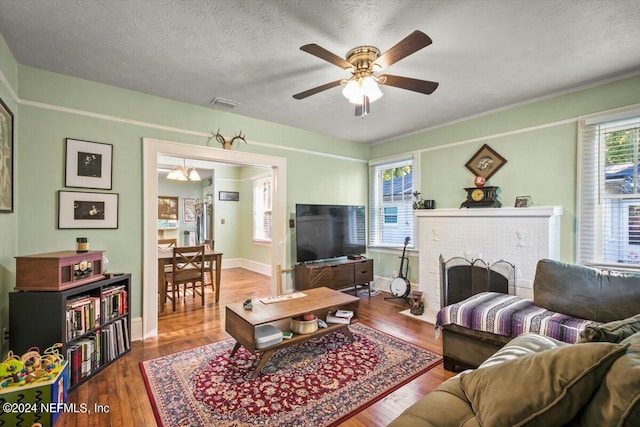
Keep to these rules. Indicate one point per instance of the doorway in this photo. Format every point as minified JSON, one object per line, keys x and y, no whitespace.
{"x":151,"y":148}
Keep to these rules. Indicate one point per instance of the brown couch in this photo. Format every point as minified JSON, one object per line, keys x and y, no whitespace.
{"x":575,"y":290}
{"x":538,"y":381}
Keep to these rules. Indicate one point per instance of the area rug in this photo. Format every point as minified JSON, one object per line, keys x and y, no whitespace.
{"x":317,"y":383}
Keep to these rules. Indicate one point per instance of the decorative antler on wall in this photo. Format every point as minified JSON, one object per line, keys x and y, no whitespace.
{"x":227,"y":143}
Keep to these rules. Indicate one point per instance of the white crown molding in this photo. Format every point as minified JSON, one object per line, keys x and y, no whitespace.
{"x":150,"y":125}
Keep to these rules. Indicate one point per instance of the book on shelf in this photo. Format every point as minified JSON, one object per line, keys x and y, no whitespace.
{"x":332,"y":318}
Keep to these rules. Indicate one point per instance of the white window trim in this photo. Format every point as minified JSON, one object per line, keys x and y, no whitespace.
{"x":415,"y":157}
{"x":589,"y":253}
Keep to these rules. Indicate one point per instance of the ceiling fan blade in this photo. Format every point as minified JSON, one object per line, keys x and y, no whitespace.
{"x":318,"y":89}
{"x":422,"y":86}
{"x":405,"y":47}
{"x":323,"y":53}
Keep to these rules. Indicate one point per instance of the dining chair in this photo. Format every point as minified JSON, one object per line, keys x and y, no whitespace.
{"x":209,"y":243}
{"x":187,"y":268}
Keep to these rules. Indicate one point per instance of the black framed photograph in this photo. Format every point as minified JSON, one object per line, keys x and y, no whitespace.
{"x":87,"y":210}
{"x":229,"y":196}
{"x":168,"y":207}
{"x":6,"y":158}
{"x":88,"y":164}
{"x":486,"y":162}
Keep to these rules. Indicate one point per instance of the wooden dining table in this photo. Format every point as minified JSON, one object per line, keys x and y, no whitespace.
{"x":165,"y":257}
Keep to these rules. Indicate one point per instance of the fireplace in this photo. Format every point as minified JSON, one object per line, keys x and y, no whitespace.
{"x":461,"y":278}
{"x":521,"y":236}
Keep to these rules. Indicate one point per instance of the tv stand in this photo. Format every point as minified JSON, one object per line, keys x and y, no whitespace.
{"x":335,"y":274}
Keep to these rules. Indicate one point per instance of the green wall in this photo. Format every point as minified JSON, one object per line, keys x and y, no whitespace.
{"x":539,"y":141}
{"x":53,"y":107}
{"x":8,"y":221}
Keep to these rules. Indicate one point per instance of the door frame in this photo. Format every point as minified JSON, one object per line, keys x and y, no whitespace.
{"x":151,"y":148}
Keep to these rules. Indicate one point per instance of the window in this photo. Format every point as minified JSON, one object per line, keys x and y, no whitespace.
{"x":391,"y":201}
{"x":609,"y":193}
{"x":262,"y":209}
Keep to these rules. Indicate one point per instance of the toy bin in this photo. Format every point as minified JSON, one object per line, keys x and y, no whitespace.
{"x":267,"y":335}
{"x":42,"y":401}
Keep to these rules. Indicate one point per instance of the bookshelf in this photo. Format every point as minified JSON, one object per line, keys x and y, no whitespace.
{"x":92,"y":321}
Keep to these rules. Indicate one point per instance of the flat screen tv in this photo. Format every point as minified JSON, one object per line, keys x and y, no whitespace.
{"x":329,"y":231}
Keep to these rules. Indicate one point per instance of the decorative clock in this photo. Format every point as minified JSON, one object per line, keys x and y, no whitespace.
{"x":484,"y":197}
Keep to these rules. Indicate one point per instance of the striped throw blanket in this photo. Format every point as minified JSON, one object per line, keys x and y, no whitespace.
{"x":510,"y":315}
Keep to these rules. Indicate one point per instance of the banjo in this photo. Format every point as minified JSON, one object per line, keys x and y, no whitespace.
{"x":400,"y":286}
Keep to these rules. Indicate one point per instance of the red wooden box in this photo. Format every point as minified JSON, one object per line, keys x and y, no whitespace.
{"x":57,"y":271}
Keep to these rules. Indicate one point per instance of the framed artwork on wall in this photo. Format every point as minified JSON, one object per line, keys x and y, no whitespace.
{"x":6,"y":158}
{"x":189,"y":210}
{"x":87,"y":210}
{"x":229,"y":196}
{"x":485,"y":162}
{"x":167,"y":207}
{"x":88,"y":164}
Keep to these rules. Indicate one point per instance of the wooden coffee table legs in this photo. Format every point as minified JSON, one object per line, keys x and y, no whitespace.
{"x":269,"y":352}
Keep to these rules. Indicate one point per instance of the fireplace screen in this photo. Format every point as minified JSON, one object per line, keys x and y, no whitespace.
{"x":461,"y":278}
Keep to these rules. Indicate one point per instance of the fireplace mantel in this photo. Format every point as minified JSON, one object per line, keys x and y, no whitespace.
{"x":521,"y":236}
{"x":534,"y":211}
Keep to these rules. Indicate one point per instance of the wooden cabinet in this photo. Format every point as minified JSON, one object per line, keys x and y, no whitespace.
{"x":337,"y":274}
{"x":91,"y":321}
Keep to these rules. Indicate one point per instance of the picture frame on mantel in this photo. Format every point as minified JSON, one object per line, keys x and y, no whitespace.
{"x":78,"y":209}
{"x":485,"y":162}
{"x":6,"y":165}
{"x":88,"y":164}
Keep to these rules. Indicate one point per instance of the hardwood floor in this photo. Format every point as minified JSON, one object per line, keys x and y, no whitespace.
{"x":120,"y":388}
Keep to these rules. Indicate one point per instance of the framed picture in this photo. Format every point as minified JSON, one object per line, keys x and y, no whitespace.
{"x":485,"y":162}
{"x":523,"y":201}
{"x":189,"y":210}
{"x":88,"y":164}
{"x":87,"y":210}
{"x":167,"y":207}
{"x":229,"y":196}
{"x":6,"y":158}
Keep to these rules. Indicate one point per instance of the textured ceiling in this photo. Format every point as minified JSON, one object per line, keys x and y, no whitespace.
{"x":486,"y":54}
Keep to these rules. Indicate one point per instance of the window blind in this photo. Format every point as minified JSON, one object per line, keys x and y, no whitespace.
{"x":608,"y":230}
{"x":391,"y":187}
{"x":262,"y":193}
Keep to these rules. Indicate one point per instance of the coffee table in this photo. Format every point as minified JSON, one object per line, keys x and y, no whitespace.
{"x":241,"y":324}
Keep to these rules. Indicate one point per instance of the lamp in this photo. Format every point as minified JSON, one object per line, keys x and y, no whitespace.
{"x":359,"y":87}
{"x":182,"y":173}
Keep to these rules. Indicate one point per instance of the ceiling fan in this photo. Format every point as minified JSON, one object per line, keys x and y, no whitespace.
{"x":364,"y":62}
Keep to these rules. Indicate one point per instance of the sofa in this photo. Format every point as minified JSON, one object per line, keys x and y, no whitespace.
{"x":567,"y":298}
{"x":536,"y":380}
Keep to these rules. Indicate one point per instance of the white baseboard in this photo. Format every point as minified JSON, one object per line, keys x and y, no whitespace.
{"x":136,"y":329}
{"x":247,"y":264}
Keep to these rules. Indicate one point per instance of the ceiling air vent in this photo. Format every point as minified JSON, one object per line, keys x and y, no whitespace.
{"x":226,"y":103}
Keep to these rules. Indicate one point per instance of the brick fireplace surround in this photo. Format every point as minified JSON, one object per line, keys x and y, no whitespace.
{"x":521,"y":236}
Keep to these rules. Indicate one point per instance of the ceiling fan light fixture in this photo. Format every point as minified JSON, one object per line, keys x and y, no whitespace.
{"x":357,"y":89}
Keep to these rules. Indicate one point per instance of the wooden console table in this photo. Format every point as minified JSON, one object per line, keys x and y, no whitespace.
{"x":335,"y":274}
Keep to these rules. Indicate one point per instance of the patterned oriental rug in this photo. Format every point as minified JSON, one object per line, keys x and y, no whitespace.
{"x":321,"y":382}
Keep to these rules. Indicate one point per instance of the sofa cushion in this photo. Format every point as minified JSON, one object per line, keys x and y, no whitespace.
{"x":427,"y":411}
{"x":611,"y":332}
{"x":586,"y":292}
{"x":546,"y":388}
{"x":523,"y":345}
{"x":617,"y":401}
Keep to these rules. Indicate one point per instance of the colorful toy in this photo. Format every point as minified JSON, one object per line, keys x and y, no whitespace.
{"x":12,"y":371}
